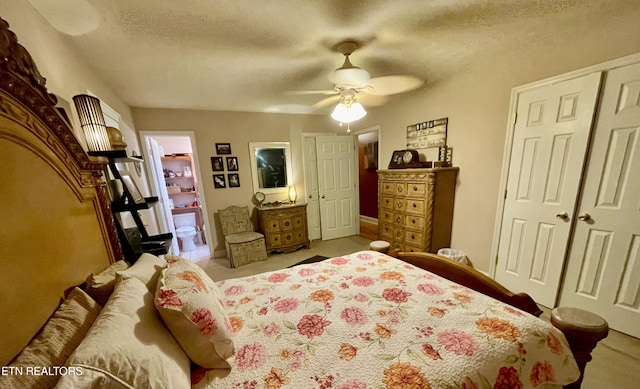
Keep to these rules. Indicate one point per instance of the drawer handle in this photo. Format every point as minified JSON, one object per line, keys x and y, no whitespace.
{"x":415,"y":205}
{"x":286,"y":224}
{"x":398,"y":234}
{"x":413,"y":221}
{"x":415,"y":188}
{"x":399,"y":204}
{"x":399,"y":189}
{"x":398,"y":219}
{"x":413,"y":237}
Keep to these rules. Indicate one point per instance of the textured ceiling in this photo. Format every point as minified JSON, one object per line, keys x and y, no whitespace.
{"x":244,"y":55}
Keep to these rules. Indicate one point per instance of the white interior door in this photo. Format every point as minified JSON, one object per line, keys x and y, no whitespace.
{"x":603,"y":269}
{"x":162,"y":209}
{"x":337,"y":186}
{"x":311,"y":187}
{"x":550,"y":141}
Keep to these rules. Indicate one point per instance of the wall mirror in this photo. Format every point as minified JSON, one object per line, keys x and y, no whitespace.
{"x":270,"y":166}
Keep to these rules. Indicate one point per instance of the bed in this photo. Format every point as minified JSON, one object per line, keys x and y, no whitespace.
{"x":362,"y":320}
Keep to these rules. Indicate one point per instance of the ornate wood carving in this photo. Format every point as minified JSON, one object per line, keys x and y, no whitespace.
{"x":23,"y":96}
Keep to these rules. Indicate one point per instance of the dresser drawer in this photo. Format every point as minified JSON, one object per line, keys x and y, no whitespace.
{"x":415,"y":206}
{"x":413,"y":238}
{"x":386,"y":202}
{"x":272,"y":225}
{"x":387,"y":187}
{"x":286,"y":224}
{"x":398,"y":220}
{"x":412,"y":248}
{"x":385,"y":216}
{"x":398,"y":234}
{"x":415,"y":222}
{"x":416,"y":189}
{"x":400,"y":189}
{"x":399,"y":204}
{"x":275,"y":240}
{"x":386,"y":231}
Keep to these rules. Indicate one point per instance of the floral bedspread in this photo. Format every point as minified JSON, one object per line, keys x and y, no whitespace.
{"x":367,"y":320}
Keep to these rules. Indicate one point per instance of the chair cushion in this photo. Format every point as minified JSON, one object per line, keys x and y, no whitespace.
{"x":243,"y":237}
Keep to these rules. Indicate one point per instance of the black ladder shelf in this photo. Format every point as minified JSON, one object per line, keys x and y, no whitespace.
{"x":135,"y":240}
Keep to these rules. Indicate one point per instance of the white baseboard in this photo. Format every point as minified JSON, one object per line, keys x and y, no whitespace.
{"x":368,"y":219}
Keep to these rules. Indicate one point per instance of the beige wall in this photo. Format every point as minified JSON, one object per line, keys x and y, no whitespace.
{"x":238,"y":129}
{"x":67,"y":73}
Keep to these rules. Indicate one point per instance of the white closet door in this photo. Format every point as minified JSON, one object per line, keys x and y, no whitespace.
{"x":603,"y":271}
{"x":337,"y":186}
{"x":549,"y":146}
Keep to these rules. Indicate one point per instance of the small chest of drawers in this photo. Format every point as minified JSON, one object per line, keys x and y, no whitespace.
{"x":415,"y":209}
{"x":284,"y":227}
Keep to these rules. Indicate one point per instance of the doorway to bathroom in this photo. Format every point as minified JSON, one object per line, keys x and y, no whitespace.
{"x":175,"y":178}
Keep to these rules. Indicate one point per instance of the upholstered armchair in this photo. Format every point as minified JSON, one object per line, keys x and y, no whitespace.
{"x":243,"y":244}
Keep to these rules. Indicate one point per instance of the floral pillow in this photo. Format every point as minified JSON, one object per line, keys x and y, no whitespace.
{"x":191,"y":306}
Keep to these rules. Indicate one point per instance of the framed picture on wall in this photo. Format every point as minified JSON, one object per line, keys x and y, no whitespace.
{"x":223,"y":148}
{"x":232,"y":164}
{"x":234,"y":180}
{"x":218,"y":181}
{"x":216,"y":164}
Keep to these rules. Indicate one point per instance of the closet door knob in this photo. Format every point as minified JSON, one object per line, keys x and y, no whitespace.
{"x":585,"y":217}
{"x":562,"y":216}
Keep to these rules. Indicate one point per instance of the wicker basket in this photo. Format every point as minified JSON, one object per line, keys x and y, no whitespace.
{"x":173,"y":189}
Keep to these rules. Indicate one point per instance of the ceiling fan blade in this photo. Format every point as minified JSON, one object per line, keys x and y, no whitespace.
{"x":313,"y":92}
{"x":326,"y":102}
{"x":390,"y":85}
{"x":369,"y":100}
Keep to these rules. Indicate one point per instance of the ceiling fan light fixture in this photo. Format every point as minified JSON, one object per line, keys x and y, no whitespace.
{"x":351,"y":77}
{"x":347,"y":113}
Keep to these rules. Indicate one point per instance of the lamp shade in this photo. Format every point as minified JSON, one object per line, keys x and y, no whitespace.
{"x":92,"y":122}
{"x":347,"y":114}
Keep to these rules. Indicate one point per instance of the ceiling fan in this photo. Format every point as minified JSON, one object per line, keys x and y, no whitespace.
{"x":354,"y":87}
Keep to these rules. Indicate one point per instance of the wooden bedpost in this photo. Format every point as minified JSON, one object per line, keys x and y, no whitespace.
{"x":583,"y":331}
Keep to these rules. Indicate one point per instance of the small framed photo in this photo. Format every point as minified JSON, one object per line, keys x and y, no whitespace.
{"x":218,"y":181}
{"x":234,"y":180}
{"x":223,"y":148}
{"x":131,"y":187}
{"x":216,"y":164}
{"x":232,"y":164}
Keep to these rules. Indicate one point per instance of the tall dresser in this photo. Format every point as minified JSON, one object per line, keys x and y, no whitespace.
{"x":284,"y":227}
{"x":415,"y":207}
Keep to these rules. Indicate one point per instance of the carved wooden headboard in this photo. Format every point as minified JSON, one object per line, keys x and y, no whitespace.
{"x":57,"y":226}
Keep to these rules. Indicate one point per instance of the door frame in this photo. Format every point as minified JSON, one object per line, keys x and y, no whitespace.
{"x":196,"y":165}
{"x":355,"y":134}
{"x":511,"y":124}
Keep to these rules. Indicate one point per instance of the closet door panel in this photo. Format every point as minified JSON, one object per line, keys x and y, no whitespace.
{"x":603,"y":269}
{"x":550,"y":142}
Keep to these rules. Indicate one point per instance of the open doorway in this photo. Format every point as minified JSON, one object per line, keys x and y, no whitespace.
{"x":172,"y":161}
{"x":368,"y":181}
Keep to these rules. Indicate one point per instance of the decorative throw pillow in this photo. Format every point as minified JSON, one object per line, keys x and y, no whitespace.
{"x":128,"y":346}
{"x":191,"y":307}
{"x":147,"y":269}
{"x":100,"y":286}
{"x":62,"y":333}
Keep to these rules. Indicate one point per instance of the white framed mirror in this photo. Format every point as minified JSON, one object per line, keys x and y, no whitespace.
{"x":270,"y":167}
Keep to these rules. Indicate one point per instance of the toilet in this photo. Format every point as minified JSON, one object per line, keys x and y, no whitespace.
{"x":186,"y":230}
